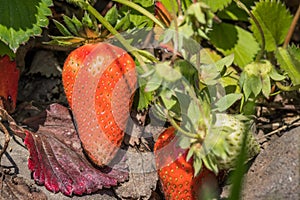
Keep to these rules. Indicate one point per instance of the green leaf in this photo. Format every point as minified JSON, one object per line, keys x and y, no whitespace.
{"x":190,"y":154}
{"x":87,"y":21}
{"x":216,"y":5}
{"x":276,"y":76}
{"x":5,"y":50}
{"x":275,"y":20}
{"x":210,"y":163}
{"x":194,"y":114}
{"x":209,"y":74}
{"x":112,"y":15}
{"x":233,"y":12}
{"x":77,"y":23}
{"x":226,"y":61}
{"x":255,"y":85}
{"x":124,"y":23}
{"x":197,"y":11}
{"x":145,"y":98}
{"x":62,"y":29}
{"x":190,"y":46}
{"x":294,"y":52}
{"x":197,"y":164}
{"x":231,"y":39}
{"x":185,"y":143}
{"x":171,"y":5}
{"x":207,"y":56}
{"x":167,"y":72}
{"x":19,"y":20}
{"x":187,"y":70}
{"x":289,"y":61}
{"x":245,"y":85}
{"x":66,"y":40}
{"x":144,"y":3}
{"x":228,"y":100}
{"x":168,"y":98}
{"x":266,"y":86}
{"x":139,"y":20}
{"x":71,"y":26}
{"x":154,"y":83}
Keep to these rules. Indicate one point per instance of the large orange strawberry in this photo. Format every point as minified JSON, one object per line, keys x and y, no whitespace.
{"x":9,"y":79}
{"x":99,"y":81}
{"x":177,"y":174}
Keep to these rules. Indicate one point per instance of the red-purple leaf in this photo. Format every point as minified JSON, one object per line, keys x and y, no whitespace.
{"x":57,"y":160}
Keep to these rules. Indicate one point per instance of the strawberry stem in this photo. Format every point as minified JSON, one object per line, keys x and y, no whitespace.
{"x":177,"y":127}
{"x":287,"y":88}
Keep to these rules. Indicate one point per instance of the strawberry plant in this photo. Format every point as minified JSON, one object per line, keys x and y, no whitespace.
{"x":198,"y":67}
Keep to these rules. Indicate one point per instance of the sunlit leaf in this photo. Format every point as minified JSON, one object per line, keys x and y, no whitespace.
{"x":217,"y":4}
{"x":233,"y":12}
{"x":168,"y":99}
{"x":275,"y":20}
{"x":255,"y":84}
{"x":62,"y":29}
{"x":112,"y":15}
{"x":231,"y":39}
{"x":197,"y":165}
{"x":71,"y":26}
{"x":153,"y":83}
{"x":144,"y":3}
{"x":194,"y":114}
{"x":185,"y":143}
{"x":167,"y":72}
{"x":266,"y":86}
{"x":289,"y":60}
{"x":228,"y":100}
{"x":171,"y":5}
{"x":226,"y":61}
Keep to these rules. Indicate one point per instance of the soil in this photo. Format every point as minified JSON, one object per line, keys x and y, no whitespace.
{"x":275,"y":172}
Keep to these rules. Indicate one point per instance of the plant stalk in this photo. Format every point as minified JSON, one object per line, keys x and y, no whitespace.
{"x":177,"y":127}
{"x":292,"y":28}
{"x":287,"y":88}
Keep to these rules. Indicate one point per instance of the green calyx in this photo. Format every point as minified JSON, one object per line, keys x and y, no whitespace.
{"x":262,"y":68}
{"x":256,"y":78}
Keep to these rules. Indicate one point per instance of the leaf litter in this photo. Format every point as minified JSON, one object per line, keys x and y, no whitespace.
{"x":57,"y":159}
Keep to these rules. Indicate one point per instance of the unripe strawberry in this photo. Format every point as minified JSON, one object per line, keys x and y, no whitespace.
{"x":225,"y":140}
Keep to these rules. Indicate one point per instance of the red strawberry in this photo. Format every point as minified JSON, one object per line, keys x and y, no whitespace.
{"x":9,"y":78}
{"x":71,"y":67}
{"x":100,"y":90}
{"x":177,"y":175}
